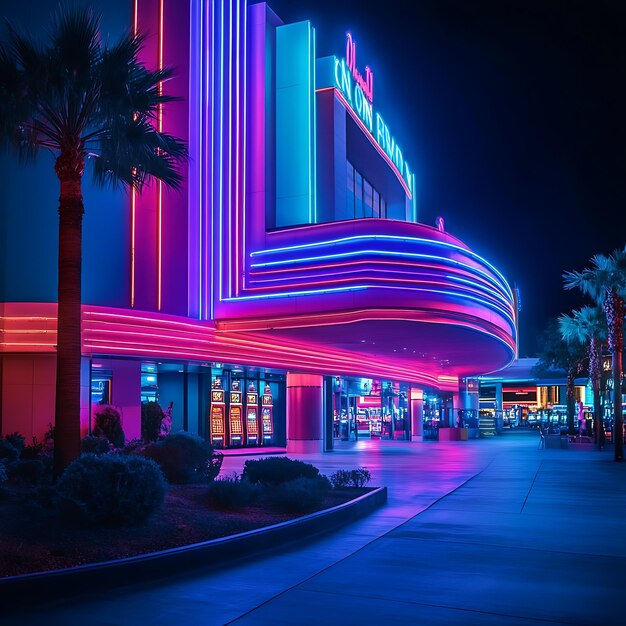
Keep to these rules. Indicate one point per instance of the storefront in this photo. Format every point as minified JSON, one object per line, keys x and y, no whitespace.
{"x":288,"y":293}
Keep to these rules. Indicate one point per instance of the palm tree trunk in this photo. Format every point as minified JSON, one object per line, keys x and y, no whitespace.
{"x":569,"y":394}
{"x":69,"y":169}
{"x":595,"y":373}
{"x":614,"y":309}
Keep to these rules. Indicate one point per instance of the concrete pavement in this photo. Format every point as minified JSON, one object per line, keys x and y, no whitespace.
{"x":476,"y":532}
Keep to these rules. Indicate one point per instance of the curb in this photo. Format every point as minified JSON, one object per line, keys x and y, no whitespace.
{"x":213,"y":554}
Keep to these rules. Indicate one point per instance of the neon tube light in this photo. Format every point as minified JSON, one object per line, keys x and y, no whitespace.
{"x":434,"y":242}
{"x":370,"y":252}
{"x":160,"y":183}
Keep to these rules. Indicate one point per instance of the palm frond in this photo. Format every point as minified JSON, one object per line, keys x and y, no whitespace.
{"x":135,"y":153}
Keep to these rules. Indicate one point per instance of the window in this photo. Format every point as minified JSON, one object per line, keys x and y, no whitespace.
{"x":362,"y":198}
{"x":358,"y":195}
{"x":368,"y":202}
{"x":350,"y":192}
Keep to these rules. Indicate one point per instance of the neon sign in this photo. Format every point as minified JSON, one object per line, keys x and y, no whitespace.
{"x":358,"y":91}
{"x":366,"y":84}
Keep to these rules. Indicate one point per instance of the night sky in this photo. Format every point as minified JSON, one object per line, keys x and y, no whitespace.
{"x":512,"y":114}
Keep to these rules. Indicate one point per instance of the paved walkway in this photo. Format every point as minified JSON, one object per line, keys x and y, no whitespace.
{"x":477,"y":532}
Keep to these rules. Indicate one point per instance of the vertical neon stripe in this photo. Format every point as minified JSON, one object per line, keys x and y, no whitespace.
{"x":220,"y":205}
{"x":314,"y":133}
{"x":211,"y":197}
{"x":237,"y":147}
{"x":230,"y":139}
{"x":133,"y":199}
{"x":200,"y":153}
{"x":309,"y":118}
{"x":245,"y":151}
{"x":160,"y":183}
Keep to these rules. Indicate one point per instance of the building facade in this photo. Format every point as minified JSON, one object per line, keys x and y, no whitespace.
{"x":287,"y":294}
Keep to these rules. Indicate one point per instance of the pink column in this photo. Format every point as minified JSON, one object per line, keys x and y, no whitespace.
{"x":416,"y":398}
{"x":304,"y":412}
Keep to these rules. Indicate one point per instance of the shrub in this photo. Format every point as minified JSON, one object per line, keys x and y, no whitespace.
{"x":277,"y":469}
{"x":108,"y":423}
{"x":94,"y":445}
{"x":350,"y":478}
{"x":26,"y":472}
{"x":110,"y":490}
{"x":3,"y":473}
{"x":16,"y":440}
{"x":151,"y":417}
{"x":340,"y":479}
{"x":134,"y":446}
{"x":185,"y":458}
{"x":300,"y":495}
{"x":32,"y":452}
{"x":232,"y":493}
{"x":8,"y":452}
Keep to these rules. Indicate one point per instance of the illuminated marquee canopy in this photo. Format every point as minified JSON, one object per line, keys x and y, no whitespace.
{"x":358,"y":92}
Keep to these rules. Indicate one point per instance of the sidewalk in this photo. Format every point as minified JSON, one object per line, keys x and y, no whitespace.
{"x":477,"y":532}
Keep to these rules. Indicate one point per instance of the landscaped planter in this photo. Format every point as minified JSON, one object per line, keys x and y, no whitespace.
{"x":207,"y":554}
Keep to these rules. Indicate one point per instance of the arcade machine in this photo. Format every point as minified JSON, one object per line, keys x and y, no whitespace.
{"x":235,"y":420}
{"x":217,"y":422}
{"x":266,"y":415}
{"x":252,"y":414}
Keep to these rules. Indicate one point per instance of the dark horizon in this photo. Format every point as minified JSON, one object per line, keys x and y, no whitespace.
{"x":511,"y":115}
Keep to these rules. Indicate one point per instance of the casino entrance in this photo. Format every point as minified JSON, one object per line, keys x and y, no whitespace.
{"x":364,"y":408}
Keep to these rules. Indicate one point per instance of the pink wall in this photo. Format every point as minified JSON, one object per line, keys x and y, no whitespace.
{"x":304,"y":412}
{"x":28,"y":394}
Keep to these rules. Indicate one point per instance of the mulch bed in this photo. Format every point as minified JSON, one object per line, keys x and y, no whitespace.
{"x":34,"y":539}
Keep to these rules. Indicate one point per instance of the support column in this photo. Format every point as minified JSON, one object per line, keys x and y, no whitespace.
{"x":416,"y":399}
{"x":304,"y":413}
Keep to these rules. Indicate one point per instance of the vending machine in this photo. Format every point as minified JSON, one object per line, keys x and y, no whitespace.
{"x":266,"y":415}
{"x":235,"y":420}
{"x":252,"y":414}
{"x":217,"y":411}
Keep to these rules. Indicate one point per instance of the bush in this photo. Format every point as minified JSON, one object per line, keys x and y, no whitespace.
{"x":276,"y":470}
{"x":32,"y":452}
{"x":108,"y":423}
{"x":26,"y":472}
{"x":16,"y":440}
{"x":94,"y":445}
{"x":8,"y":452}
{"x":3,"y":472}
{"x":185,"y":458}
{"x":233,"y":494}
{"x":110,"y":490}
{"x":134,"y":446}
{"x":151,"y":417}
{"x":350,"y":478}
{"x":301,"y":495}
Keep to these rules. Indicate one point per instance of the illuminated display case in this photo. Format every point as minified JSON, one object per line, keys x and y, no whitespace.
{"x":252,"y":415}
{"x":267,"y":415}
{"x":235,"y":414}
{"x":217,"y":413}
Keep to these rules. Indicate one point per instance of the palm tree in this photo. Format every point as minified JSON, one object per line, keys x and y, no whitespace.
{"x":81,"y":99}
{"x":588,"y":326}
{"x":558,"y":354}
{"x":605,"y":282}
